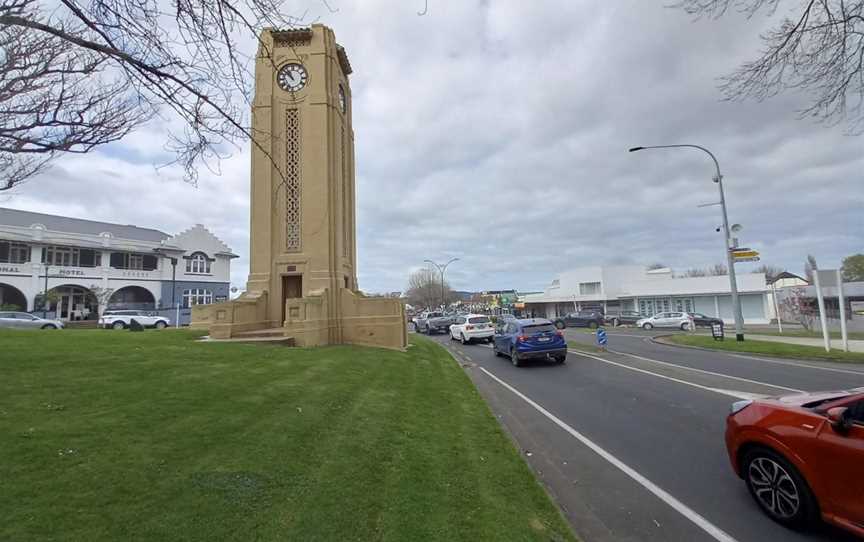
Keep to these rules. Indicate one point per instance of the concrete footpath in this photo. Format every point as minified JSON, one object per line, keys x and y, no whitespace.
{"x":836,"y":344}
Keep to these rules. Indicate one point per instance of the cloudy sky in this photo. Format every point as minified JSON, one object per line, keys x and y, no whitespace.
{"x":497,"y":132}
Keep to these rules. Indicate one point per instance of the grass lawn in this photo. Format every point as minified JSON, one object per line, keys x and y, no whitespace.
{"x":853,"y":335}
{"x":152,"y":436}
{"x":766,"y":348}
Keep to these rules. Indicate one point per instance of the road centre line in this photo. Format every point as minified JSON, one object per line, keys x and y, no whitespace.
{"x":715,"y":532}
{"x":708,"y":372}
{"x":805,"y":365}
{"x":730,"y":393}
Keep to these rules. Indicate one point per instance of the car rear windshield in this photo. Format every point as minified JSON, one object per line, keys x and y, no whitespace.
{"x":538,"y":329}
{"x":478,"y":320}
{"x":434,"y":315}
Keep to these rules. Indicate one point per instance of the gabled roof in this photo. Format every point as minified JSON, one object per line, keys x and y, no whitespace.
{"x":25,"y":219}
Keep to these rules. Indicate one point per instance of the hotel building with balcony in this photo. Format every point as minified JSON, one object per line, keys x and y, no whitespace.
{"x":87,"y":267}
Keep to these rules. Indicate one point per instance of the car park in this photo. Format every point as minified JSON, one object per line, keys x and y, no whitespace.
{"x":526,"y":339}
{"x":679,"y":320}
{"x":472,"y":327}
{"x":25,"y":320}
{"x":802,"y":456}
{"x":591,"y":319}
{"x":122,"y":319}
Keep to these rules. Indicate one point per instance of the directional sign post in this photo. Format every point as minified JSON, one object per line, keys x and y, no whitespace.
{"x":601,"y":338}
{"x":744,"y":255}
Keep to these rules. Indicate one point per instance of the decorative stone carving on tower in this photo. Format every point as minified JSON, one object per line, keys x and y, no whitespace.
{"x":303,"y":243}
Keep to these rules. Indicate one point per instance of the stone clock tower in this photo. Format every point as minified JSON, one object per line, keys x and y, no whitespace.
{"x":303,"y":248}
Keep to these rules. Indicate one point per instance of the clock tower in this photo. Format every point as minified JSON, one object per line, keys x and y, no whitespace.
{"x":303,"y":248}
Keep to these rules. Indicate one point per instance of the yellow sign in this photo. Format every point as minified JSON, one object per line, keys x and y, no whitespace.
{"x":744,"y":254}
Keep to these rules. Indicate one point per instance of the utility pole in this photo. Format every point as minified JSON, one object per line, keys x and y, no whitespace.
{"x":442,"y":269}
{"x":730,"y":261}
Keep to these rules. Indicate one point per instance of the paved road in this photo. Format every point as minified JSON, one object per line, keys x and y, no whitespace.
{"x":630,"y":442}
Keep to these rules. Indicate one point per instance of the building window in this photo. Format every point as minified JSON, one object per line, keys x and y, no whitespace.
{"x":196,"y":296}
{"x":11,"y":252}
{"x":198,"y":264}
{"x":71,"y":257}
{"x":589,"y":288}
{"x":684,"y":304}
{"x":139,"y":262}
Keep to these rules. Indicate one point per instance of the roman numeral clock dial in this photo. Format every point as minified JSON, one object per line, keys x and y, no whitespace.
{"x":292,"y":77}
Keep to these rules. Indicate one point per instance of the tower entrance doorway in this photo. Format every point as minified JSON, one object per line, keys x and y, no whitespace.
{"x":292,"y":288}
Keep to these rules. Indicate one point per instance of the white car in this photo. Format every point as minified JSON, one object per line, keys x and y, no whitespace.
{"x":679,"y":320}
{"x":123,"y":319}
{"x":472,"y":327}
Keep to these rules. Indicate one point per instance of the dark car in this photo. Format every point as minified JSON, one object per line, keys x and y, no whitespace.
{"x":700,"y":320}
{"x":533,"y":338}
{"x":622,"y":318}
{"x":592,"y":319}
{"x":802,"y":456}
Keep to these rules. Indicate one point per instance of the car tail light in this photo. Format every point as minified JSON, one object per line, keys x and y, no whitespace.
{"x":521,"y":338}
{"x":559,"y":333}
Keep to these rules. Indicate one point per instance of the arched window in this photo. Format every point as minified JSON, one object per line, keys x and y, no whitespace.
{"x":198,"y":264}
{"x":197,"y":296}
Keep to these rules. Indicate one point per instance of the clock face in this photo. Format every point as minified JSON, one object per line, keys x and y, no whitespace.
{"x":292,"y":77}
{"x":343,"y":104}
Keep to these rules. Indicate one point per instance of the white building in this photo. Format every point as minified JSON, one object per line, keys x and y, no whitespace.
{"x":88,"y":266}
{"x":611,"y":288}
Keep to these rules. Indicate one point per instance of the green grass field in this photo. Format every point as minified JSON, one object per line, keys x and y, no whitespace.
{"x":152,"y":436}
{"x":853,"y":335}
{"x":766,"y":348}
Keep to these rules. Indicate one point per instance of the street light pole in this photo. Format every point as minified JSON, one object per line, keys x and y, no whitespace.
{"x":174,"y":293}
{"x":730,"y":262}
{"x":45,"y":295}
{"x":442,"y":269}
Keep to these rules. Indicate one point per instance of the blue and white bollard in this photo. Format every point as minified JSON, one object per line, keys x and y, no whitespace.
{"x":601,"y":338}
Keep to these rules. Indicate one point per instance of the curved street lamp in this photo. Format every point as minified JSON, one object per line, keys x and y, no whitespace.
{"x":730,"y":262}
{"x":442,"y":269}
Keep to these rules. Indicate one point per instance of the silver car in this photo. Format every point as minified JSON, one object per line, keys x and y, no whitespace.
{"x":680,"y":320}
{"x":25,"y":320}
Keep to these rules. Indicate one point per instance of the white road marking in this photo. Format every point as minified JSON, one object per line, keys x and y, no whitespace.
{"x":796,"y":364}
{"x":730,"y":393}
{"x":707,"y":372}
{"x":715,"y":532}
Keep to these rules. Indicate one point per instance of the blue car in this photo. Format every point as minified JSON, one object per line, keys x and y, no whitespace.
{"x":533,"y":338}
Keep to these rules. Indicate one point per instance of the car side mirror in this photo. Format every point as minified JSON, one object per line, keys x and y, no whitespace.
{"x":840,"y":418}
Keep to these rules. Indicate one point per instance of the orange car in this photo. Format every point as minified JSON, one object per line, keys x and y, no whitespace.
{"x":802,"y":456}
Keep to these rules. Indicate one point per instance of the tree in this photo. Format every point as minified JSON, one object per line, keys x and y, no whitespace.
{"x":424,"y":289}
{"x":809,"y":268}
{"x":101,"y":296}
{"x":817,"y":47}
{"x":75,"y":76}
{"x":853,"y":268}
{"x":771,"y":271}
{"x":717,"y":270}
{"x":797,"y":307}
{"x":695,"y":272}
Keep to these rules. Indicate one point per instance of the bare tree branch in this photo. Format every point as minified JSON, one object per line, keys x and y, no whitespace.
{"x":85,"y":74}
{"x":818,"y":49}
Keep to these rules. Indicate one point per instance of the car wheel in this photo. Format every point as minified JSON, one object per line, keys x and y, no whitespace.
{"x":779,"y":489}
{"x":560,"y":325}
{"x":161,"y":324}
{"x":118,"y":325}
{"x":464,"y":340}
{"x":560,"y":359}
{"x":49,"y":326}
{"x":614,"y":322}
{"x":452,"y":338}
{"x":514,"y":357}
{"x":592,"y":325}
{"x":490,"y":340}
{"x":646,"y":325}
{"x":495,"y":351}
